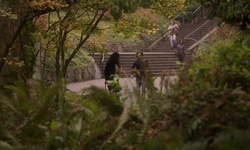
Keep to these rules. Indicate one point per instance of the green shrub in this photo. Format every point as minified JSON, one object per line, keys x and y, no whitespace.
{"x":212,"y":94}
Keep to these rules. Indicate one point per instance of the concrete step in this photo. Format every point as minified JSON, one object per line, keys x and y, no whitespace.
{"x":161,"y":57}
{"x":158,"y":62}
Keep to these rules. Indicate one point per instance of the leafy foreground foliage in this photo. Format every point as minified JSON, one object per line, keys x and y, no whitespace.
{"x":210,"y":103}
{"x":207,"y":108}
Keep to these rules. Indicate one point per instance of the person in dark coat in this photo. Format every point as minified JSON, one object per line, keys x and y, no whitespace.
{"x":112,"y":68}
{"x":180,"y":51}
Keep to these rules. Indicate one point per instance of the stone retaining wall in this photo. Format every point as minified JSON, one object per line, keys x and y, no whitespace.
{"x":89,"y":72}
{"x":125,"y":47}
{"x":74,"y":75}
{"x":81,"y":74}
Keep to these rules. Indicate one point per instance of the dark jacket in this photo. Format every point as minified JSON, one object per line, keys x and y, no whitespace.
{"x":110,"y":68}
{"x":142,"y":66}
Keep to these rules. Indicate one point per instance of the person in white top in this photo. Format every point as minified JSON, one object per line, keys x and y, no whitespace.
{"x":172,"y":32}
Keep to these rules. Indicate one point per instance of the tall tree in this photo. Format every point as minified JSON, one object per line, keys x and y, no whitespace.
{"x":17,"y":19}
{"x":81,"y":16}
{"x":16,"y":44}
{"x":232,"y":11}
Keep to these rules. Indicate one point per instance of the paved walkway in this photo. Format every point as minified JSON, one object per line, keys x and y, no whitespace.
{"x":128,"y":86}
{"x":126,"y":83}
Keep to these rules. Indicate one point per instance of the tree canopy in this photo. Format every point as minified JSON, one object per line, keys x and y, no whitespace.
{"x":73,"y":17}
{"x":232,"y":11}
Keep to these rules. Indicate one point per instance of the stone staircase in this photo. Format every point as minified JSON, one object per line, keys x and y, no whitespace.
{"x":158,"y":62}
{"x":189,"y":33}
{"x":160,"y":56}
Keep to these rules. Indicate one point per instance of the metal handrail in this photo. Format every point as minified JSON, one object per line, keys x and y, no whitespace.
{"x":196,"y":29}
{"x":197,"y":41}
{"x":175,"y":18}
{"x":165,"y":25}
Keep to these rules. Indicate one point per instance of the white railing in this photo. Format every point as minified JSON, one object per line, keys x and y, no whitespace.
{"x":200,"y":36}
{"x":161,"y":33}
{"x":186,"y":37}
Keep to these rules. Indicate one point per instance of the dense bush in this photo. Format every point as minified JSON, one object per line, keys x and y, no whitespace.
{"x":209,"y":105}
{"x":207,"y":108}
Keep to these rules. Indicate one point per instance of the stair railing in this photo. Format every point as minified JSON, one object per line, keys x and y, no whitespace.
{"x":182,"y":17}
{"x":197,"y":30}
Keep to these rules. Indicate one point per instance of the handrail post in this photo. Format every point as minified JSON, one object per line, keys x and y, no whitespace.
{"x":183,"y":20}
{"x":101,"y":63}
{"x":162,"y":33}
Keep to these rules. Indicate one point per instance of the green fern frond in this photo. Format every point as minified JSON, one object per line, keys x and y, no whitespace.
{"x":122,"y":120}
{"x":105,"y":100}
{"x":11,"y":140}
{"x":5,"y":145}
